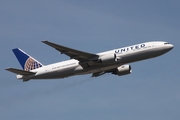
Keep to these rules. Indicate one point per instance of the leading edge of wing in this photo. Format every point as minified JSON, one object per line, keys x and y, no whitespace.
{"x":73,"y":53}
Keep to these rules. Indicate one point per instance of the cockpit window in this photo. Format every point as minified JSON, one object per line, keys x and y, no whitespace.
{"x":166,"y":43}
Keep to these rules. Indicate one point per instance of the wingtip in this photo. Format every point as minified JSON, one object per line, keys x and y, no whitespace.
{"x":7,"y":69}
{"x":44,"y":41}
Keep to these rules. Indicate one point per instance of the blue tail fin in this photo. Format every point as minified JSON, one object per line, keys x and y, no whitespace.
{"x":27,"y":62}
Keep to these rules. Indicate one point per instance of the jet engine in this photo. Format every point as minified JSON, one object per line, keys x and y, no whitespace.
{"x":109,"y":58}
{"x":123,"y":70}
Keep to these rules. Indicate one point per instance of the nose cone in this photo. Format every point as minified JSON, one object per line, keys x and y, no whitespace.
{"x":170,"y":46}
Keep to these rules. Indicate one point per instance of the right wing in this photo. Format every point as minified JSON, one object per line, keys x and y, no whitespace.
{"x":72,"y":53}
{"x":20,"y":72}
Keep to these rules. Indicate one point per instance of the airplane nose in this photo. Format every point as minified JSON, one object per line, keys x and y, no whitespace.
{"x":171,"y":46}
{"x":168,"y":46}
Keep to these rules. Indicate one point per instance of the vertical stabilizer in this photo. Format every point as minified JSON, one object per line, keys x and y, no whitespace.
{"x":27,"y":62}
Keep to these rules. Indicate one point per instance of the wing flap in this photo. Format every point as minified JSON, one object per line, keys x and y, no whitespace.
{"x":97,"y":74}
{"x":72,"y":53}
{"x":20,"y":72}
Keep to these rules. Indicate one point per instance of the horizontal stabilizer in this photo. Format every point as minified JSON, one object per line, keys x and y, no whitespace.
{"x":20,"y":72}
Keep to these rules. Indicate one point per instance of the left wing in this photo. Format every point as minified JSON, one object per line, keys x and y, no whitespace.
{"x":72,"y":53}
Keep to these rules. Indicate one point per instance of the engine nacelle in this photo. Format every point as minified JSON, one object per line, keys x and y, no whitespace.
{"x":109,"y":58}
{"x":123,"y":70}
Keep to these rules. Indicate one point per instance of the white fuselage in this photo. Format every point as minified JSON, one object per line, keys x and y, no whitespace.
{"x":124,"y":55}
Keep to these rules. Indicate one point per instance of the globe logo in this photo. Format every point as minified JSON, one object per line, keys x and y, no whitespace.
{"x":31,"y":64}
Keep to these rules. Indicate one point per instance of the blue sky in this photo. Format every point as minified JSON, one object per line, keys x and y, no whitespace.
{"x":151,"y":92}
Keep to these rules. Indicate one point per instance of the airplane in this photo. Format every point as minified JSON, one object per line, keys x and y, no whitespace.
{"x":114,"y":61}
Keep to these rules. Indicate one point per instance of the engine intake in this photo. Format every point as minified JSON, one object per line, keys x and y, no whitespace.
{"x":109,"y":58}
{"x":123,"y":70}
